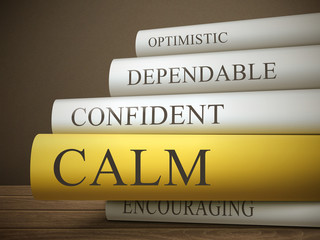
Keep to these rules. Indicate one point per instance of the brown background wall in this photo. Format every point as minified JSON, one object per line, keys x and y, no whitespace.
{"x":63,"y":49}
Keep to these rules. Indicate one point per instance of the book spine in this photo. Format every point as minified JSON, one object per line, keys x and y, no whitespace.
{"x":225,"y":36}
{"x":247,"y":70}
{"x":303,"y":214}
{"x":176,"y":167}
{"x":263,"y":112}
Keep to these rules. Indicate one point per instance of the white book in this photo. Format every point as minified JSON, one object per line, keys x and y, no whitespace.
{"x":261,"y":112}
{"x":303,"y":214}
{"x":246,"y":70}
{"x":235,"y":35}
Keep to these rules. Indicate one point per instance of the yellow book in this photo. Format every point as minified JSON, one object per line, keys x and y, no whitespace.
{"x":176,"y":167}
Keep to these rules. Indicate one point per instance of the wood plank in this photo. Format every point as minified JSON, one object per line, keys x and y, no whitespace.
{"x":161,"y":234}
{"x":37,"y":219}
{"x":29,"y":203}
{"x":21,"y":216}
{"x":24,"y":219}
{"x":15,"y":190}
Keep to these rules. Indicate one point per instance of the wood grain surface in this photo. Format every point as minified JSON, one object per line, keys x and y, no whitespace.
{"x":22,"y":217}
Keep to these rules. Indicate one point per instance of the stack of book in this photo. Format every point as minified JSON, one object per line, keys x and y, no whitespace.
{"x":223,"y":127}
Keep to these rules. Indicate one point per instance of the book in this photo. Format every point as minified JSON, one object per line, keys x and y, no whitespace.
{"x":246,"y":70}
{"x":301,"y":214}
{"x":261,"y":112}
{"x":281,"y":31}
{"x":191,"y":167}
{"x":176,"y":167}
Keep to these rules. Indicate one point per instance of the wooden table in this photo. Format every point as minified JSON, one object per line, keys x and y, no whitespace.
{"x":22,"y":217}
